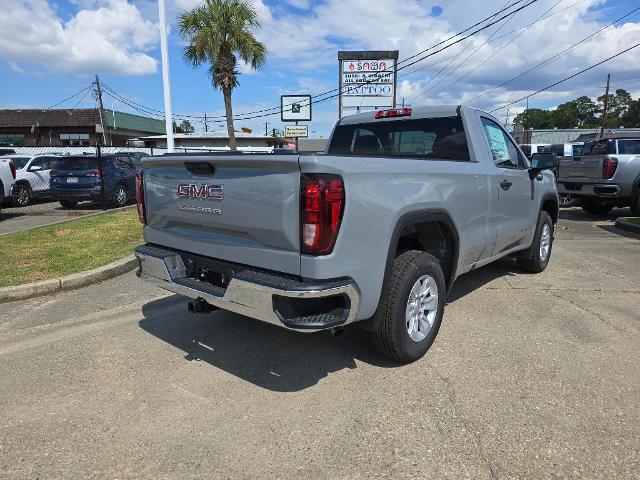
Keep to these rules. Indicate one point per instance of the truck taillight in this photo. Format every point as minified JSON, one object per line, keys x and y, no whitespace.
{"x":142,"y":214}
{"x":12,"y":166}
{"x":96,"y":173}
{"x":321,"y":209}
{"x":609,"y":167}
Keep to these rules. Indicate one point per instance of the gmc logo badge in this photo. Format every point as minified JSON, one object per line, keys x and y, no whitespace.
{"x":207,"y":192}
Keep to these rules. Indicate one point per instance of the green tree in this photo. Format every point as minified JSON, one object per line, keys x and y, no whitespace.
{"x":580,"y":112}
{"x":632,"y":116}
{"x":618,"y":105}
{"x":184,"y":127}
{"x":218,"y":33}
{"x":533,"y":118}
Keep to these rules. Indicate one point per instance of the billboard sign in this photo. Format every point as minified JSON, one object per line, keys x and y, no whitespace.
{"x":367,"y":81}
{"x":296,"y":131}
{"x":295,"y":108}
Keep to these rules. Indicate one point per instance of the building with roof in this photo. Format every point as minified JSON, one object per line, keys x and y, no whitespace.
{"x":216,"y":139}
{"x":552,"y":136}
{"x":73,"y":127}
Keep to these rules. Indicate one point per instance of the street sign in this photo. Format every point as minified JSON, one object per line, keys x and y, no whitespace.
{"x":295,"y":108}
{"x":367,"y":81}
{"x":296,"y":131}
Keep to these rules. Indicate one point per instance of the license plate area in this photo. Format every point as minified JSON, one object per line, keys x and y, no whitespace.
{"x":574,"y":187}
{"x":207,"y":270}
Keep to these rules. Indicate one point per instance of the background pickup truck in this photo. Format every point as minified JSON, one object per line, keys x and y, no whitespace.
{"x":605,"y":175}
{"x":7,"y":178}
{"x":375,"y":231}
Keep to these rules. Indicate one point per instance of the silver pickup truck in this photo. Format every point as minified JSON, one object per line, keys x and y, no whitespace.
{"x":374,"y":231}
{"x":605,"y":175}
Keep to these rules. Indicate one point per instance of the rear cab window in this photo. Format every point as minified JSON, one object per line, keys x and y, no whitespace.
{"x":629,"y":147}
{"x":424,"y":138}
{"x":602,"y":147}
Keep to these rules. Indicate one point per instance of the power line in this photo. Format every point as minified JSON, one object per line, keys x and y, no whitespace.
{"x":409,"y":64}
{"x":557,"y":55}
{"x":276,"y":110}
{"x":470,"y":54}
{"x":568,"y":78}
{"x":81,"y":99}
{"x":503,"y":47}
{"x":69,"y":98}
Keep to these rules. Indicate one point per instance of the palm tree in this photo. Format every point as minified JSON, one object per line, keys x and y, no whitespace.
{"x":218,"y":32}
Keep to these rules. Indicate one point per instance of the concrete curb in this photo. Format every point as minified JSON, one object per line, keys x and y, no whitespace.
{"x":70,"y":282}
{"x":623,"y":224}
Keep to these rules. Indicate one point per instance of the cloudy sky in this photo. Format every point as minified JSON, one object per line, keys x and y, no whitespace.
{"x":51,"y":49}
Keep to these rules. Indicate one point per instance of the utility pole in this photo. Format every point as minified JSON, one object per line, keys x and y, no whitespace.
{"x":99,"y":92}
{"x":205,"y":122}
{"x":606,"y":106}
{"x":266,"y":129}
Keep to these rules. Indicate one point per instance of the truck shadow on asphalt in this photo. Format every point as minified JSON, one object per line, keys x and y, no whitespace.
{"x":271,"y":357}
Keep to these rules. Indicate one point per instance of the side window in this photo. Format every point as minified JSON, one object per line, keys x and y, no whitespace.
{"x":505,"y":154}
{"x":48,"y":162}
{"x":41,"y":162}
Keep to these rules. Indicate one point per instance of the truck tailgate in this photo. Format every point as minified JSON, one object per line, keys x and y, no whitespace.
{"x":239,"y":208}
{"x":581,"y":168}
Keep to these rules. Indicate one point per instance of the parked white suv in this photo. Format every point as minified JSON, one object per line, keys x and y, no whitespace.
{"x":32,"y":177}
{"x":7,"y":177}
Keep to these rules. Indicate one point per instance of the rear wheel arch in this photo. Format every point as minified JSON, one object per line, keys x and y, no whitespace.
{"x":423,"y":231}
{"x":25,"y":183}
{"x":551,"y":205}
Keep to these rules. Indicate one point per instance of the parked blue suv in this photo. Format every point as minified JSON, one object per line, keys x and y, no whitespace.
{"x":110,"y":180}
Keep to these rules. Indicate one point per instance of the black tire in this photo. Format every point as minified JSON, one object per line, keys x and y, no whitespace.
{"x":22,"y":195}
{"x":635,"y":205}
{"x":119,"y":197}
{"x":68,"y":203}
{"x":594,"y":206}
{"x":391,"y":338}
{"x":532,"y":260}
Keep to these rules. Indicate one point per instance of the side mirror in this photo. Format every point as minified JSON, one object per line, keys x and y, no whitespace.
{"x":542,"y":161}
{"x":35,"y":168}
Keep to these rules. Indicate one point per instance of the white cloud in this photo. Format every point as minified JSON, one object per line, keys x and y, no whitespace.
{"x":307,"y":43}
{"x":109,"y":36}
{"x":300,"y":4}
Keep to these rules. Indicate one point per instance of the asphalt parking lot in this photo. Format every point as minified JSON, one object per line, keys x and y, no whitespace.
{"x":41,"y":213}
{"x":532,"y":376}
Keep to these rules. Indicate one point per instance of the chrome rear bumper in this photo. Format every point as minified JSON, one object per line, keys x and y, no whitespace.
{"x":246,"y":295}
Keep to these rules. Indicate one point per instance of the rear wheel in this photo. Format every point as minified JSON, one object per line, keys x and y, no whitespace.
{"x":119,"y":197}
{"x":635,"y":205}
{"x":410,"y":312}
{"x":68,"y":203}
{"x":22,"y":195}
{"x":536,"y":258}
{"x":593,"y":206}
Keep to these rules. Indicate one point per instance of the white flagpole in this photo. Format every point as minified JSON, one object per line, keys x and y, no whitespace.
{"x":164,"y":51}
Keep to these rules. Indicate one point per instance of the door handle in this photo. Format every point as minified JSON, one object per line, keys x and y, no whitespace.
{"x":505,"y":184}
